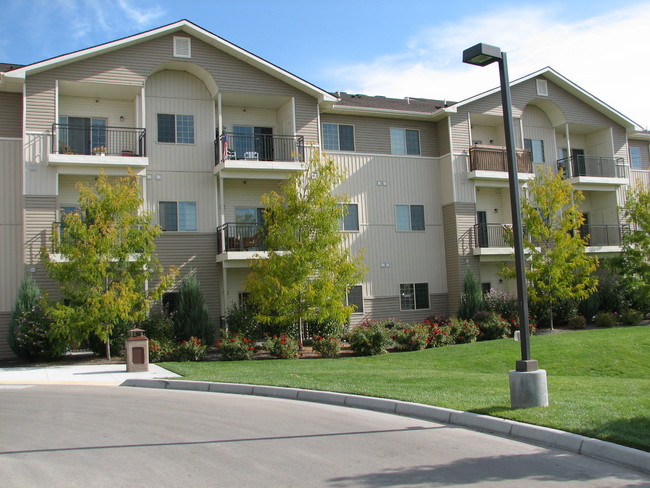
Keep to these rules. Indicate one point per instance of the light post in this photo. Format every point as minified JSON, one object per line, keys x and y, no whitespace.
{"x":528,"y":386}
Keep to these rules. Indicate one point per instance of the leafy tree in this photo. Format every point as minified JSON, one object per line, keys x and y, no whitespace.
{"x":635,"y":256}
{"x":471,"y":301}
{"x":558,"y":267}
{"x":308,"y":270}
{"x":191,"y":318}
{"x":103,"y":258}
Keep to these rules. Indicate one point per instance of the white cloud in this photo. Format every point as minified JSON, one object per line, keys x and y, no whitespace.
{"x":598,"y":53}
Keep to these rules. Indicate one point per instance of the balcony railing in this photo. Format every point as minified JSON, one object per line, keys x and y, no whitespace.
{"x":90,"y":139}
{"x":604,"y":235}
{"x":260,"y":147}
{"x":241,"y":237}
{"x":494,"y":158}
{"x":598,"y":166}
{"x":493,"y":235}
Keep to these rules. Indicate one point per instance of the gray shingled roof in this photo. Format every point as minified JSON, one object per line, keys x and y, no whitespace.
{"x":405,"y":104}
{"x":9,"y":66}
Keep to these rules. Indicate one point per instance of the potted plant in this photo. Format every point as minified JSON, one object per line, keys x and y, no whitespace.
{"x":100,"y":150}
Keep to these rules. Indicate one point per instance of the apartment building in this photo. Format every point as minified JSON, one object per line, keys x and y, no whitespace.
{"x":209,"y":128}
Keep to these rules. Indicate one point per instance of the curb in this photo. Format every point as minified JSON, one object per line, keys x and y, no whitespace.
{"x":595,"y":448}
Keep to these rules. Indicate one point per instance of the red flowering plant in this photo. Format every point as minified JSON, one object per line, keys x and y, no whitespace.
{"x":283,"y":347}
{"x":327,"y":347}
{"x":463,"y":331}
{"x":439,"y":333}
{"x":236,"y":347}
{"x":189,"y":350}
{"x":159,"y":350}
{"x":370,"y":338}
{"x":411,"y":338}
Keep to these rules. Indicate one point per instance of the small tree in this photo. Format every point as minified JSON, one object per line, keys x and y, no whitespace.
{"x":308,"y":270}
{"x":471,"y":301}
{"x":634,"y":261}
{"x":104,"y":261}
{"x":558,"y":267}
{"x":191,"y":318}
{"x":28,"y":296}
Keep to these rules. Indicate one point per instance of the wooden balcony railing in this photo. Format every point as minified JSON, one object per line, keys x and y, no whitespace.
{"x":494,"y":158}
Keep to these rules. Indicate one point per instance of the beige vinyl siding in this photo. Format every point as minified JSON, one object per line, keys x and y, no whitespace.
{"x":179,"y":186}
{"x":5,"y":350}
{"x":246,"y":194}
{"x":372,"y":134}
{"x":538,"y":126}
{"x":459,"y":220}
{"x":11,"y":182}
{"x":40,"y":213}
{"x":495,"y":202}
{"x":101,"y":108}
{"x":460,"y":132}
{"x":11,"y":114}
{"x":381,"y":308}
{"x":415,"y":256}
{"x":193,"y":252}
{"x":444,"y":137}
{"x":40,"y":179}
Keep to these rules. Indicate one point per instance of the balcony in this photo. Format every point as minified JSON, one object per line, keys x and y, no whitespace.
{"x":259,"y":151}
{"x":491,"y":163}
{"x":596,"y":170}
{"x":91,"y":145}
{"x":237,"y":237}
{"x":604,"y":235}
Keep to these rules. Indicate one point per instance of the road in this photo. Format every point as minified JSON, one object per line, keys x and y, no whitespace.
{"x":109,"y":436}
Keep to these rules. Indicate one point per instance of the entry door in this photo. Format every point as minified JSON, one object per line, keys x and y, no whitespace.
{"x":79,"y":135}
{"x":578,"y":158}
{"x":481,"y":228}
{"x":264,"y":143}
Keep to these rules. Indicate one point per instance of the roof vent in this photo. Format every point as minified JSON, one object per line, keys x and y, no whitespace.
{"x":542,"y":88}
{"x":182,"y":47}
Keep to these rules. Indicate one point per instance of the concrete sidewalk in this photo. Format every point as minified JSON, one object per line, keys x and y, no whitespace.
{"x":90,"y":374}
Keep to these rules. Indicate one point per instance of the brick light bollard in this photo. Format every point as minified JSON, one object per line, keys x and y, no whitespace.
{"x":137,"y":351}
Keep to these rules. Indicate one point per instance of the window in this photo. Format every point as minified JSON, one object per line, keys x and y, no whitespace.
{"x":177,"y":129}
{"x":536,"y":148}
{"x":405,"y":141}
{"x":177,"y":216}
{"x":414,"y":296}
{"x":409,"y":217}
{"x":249,"y":215}
{"x":355,"y":298}
{"x":635,"y":158}
{"x":338,"y":137}
{"x":349,"y":220}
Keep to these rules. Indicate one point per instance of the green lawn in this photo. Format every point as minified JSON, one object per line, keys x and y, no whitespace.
{"x":598,"y":380}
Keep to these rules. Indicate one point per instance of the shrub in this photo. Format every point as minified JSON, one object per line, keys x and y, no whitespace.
{"x":33,"y":335}
{"x":369,"y":338}
{"x":501,"y":302}
{"x":327,"y":347}
{"x":192,"y":318}
{"x":159,"y":350}
{"x":411,"y":339}
{"x":562,"y":312}
{"x":631,"y":317}
{"x":463,"y":331}
{"x":283,"y":347}
{"x":440,"y":319}
{"x":589,"y":308}
{"x":491,"y":326}
{"x":158,"y":326}
{"x":236,"y":347}
{"x":606,"y":319}
{"x":394,"y":324}
{"x":471,"y":301}
{"x":438,"y":333}
{"x":28,"y":297}
{"x":577,"y":322}
{"x":514,"y":325}
{"x":189,"y":350}
{"x":241,"y":320}
{"x":326,"y":328}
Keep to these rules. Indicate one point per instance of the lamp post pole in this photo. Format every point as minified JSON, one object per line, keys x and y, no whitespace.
{"x":527,"y":383}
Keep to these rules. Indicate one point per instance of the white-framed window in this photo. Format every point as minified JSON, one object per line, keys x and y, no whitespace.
{"x":349,"y":219}
{"x":409,"y":217}
{"x":635,"y":158}
{"x":414,"y":296}
{"x":536,"y":148}
{"x":338,"y":137}
{"x":174,"y":128}
{"x":177,"y":216}
{"x":404,"y":141}
{"x":354,"y":297}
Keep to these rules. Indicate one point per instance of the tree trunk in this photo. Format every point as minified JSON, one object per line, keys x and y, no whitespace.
{"x":550,"y":308}
{"x":108,"y":347}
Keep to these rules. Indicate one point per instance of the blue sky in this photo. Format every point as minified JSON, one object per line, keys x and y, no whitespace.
{"x":377,"y":47}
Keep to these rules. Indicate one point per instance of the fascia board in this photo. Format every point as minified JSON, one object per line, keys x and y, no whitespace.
{"x":387,"y":113}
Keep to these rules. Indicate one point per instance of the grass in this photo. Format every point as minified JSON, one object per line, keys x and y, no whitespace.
{"x":598,"y":380}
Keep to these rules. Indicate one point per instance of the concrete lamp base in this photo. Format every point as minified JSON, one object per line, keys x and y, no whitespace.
{"x":528,"y":389}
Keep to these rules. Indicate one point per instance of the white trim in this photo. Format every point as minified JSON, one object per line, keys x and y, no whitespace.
{"x":11,"y":138}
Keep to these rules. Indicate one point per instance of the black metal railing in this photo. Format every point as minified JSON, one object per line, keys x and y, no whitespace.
{"x":92,"y":139}
{"x":604,"y":234}
{"x":598,"y":166}
{"x":491,"y":235}
{"x":494,"y":158}
{"x":259,"y":147}
{"x":241,"y":237}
